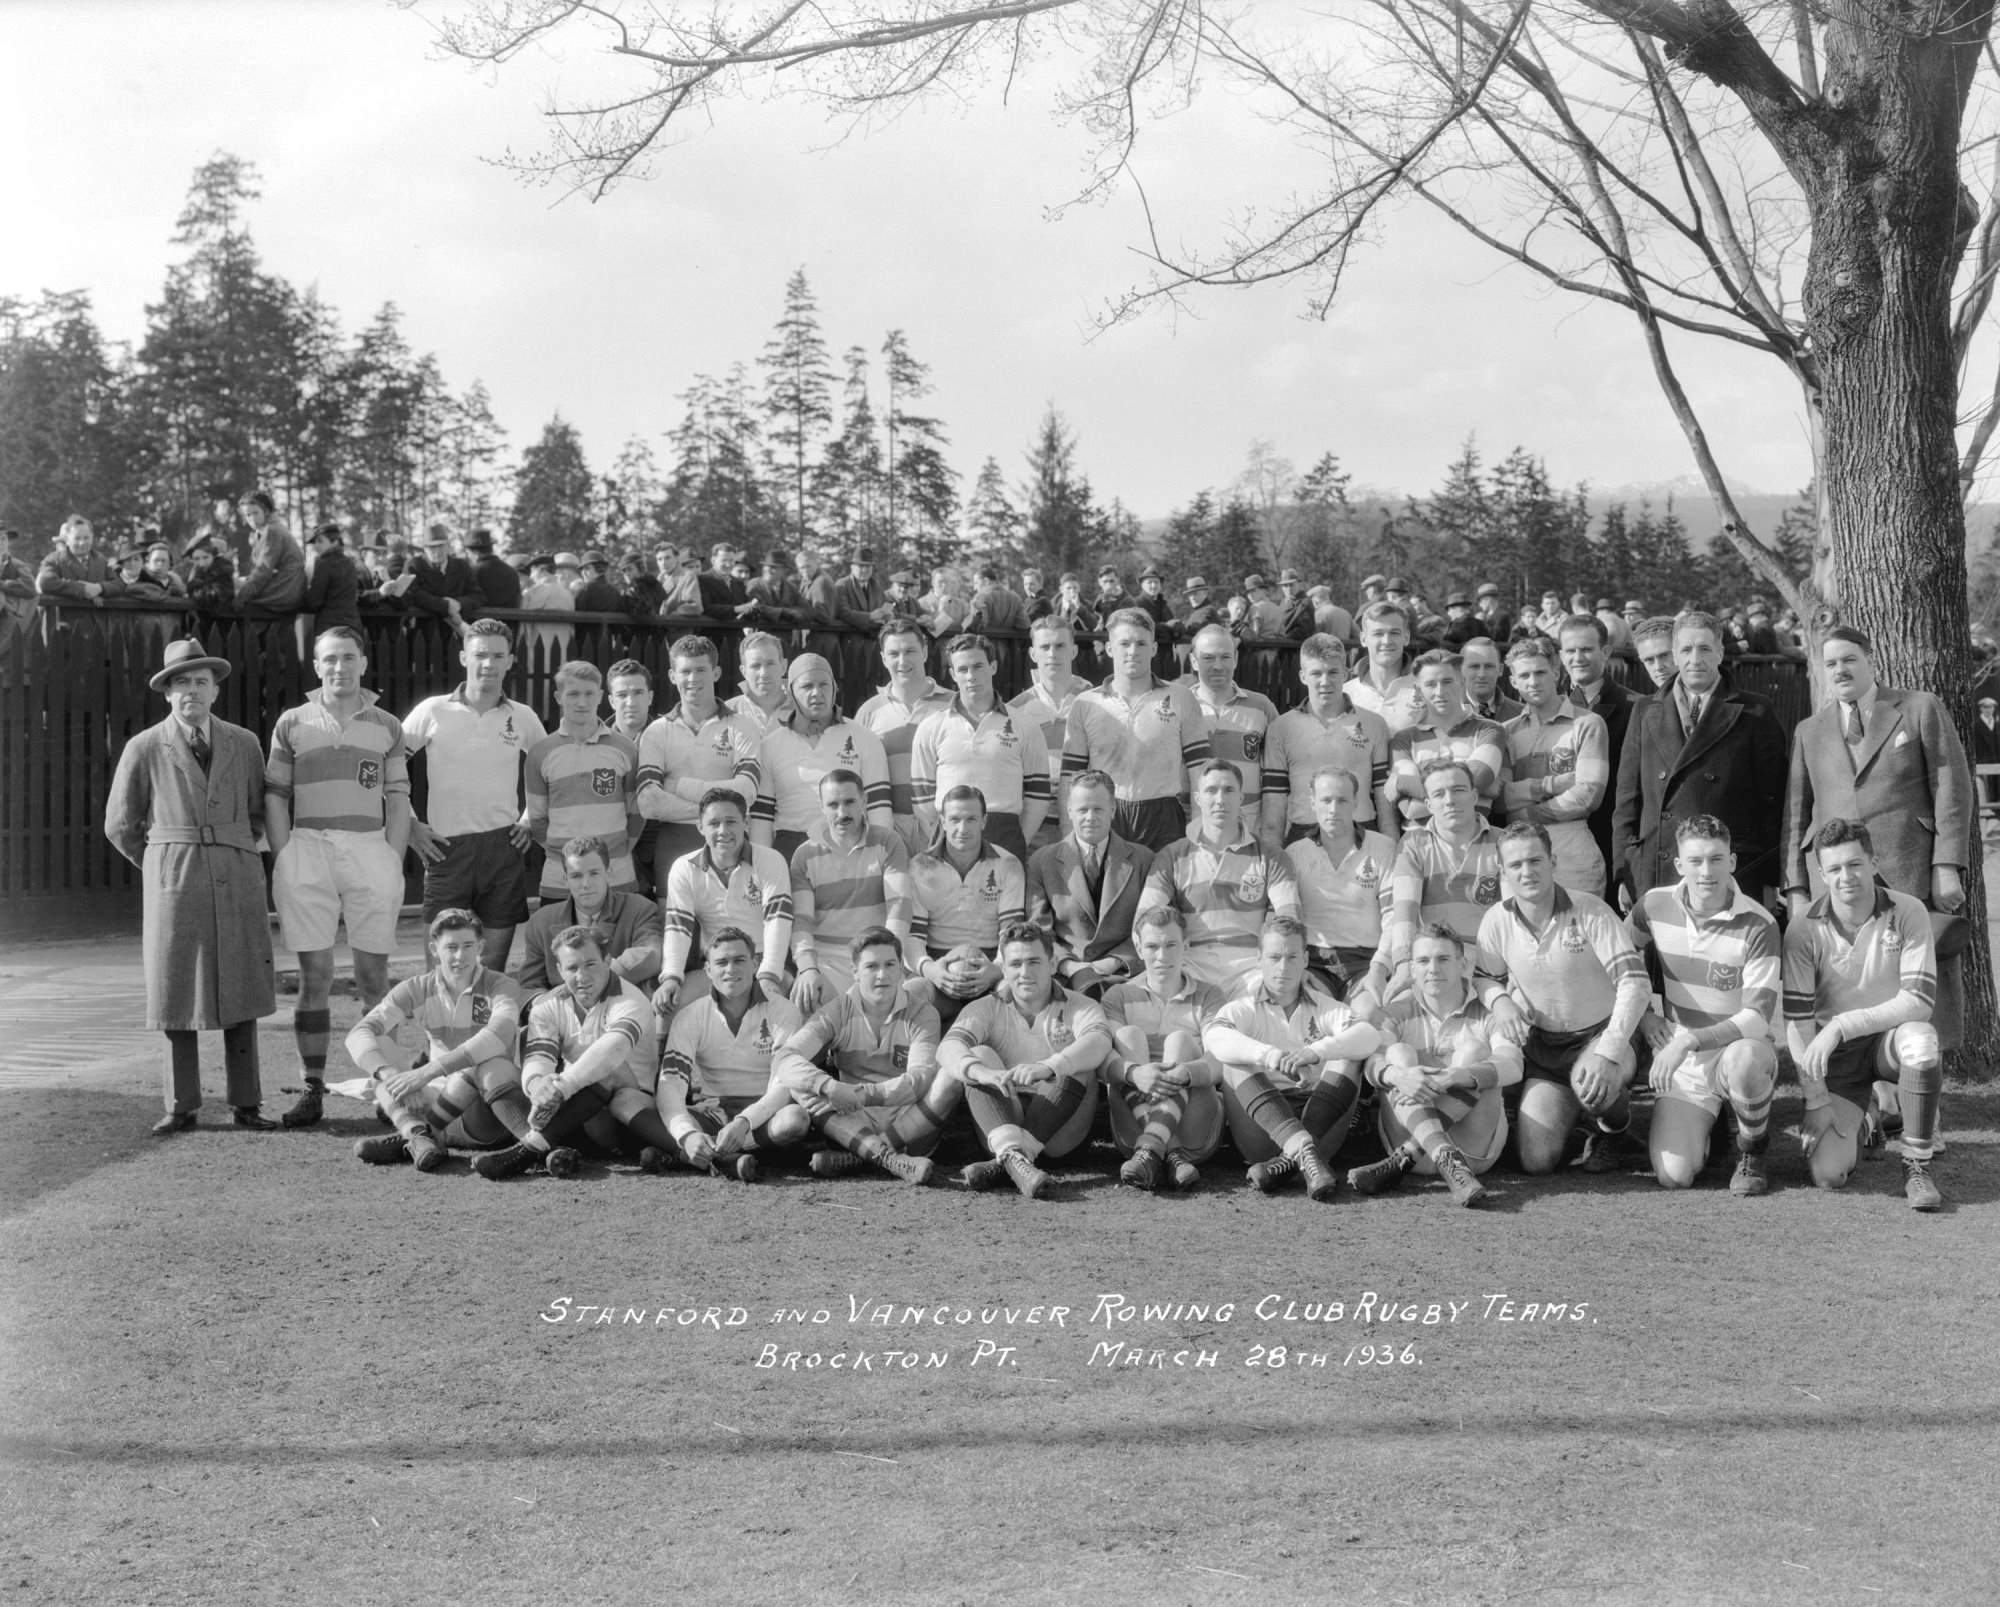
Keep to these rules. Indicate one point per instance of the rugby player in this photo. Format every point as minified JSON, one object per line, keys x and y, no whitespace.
{"x":1238,"y":721}
{"x":1860,"y":981}
{"x":1446,"y":870}
{"x":467,"y":1088}
{"x":697,"y":745}
{"x":1441,"y":1074}
{"x":1581,"y":988}
{"x":765,"y":699}
{"x":730,"y":882}
{"x":896,"y":711}
{"x":1326,"y":730}
{"x":1446,"y":727}
{"x":963,"y":894}
{"x":1148,"y":735}
{"x":633,"y":923}
{"x":1223,"y":881}
{"x":801,"y":747}
{"x":337,"y":816}
{"x":1028,"y":1054}
{"x":864,"y":1067}
{"x":716,"y":1091}
{"x":1344,"y":874}
{"x":1164,"y":1089}
{"x":1385,"y":687}
{"x":1291,"y":1056}
{"x":1717,"y":956}
{"x":589,"y":1053}
{"x":582,"y":781}
{"x":850,"y":877}
{"x":1558,"y":766}
{"x":974,"y":740}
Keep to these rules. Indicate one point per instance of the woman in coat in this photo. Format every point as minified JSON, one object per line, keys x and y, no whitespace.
{"x":186,"y":805}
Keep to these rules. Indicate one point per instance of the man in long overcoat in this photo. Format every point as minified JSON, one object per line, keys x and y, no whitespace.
{"x":186,"y":805}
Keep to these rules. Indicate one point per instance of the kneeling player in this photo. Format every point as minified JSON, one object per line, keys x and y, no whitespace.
{"x":589,"y":1054}
{"x":716,"y":1090}
{"x":1860,"y":968}
{"x":1291,"y":1058}
{"x":468,"y":1090}
{"x":1582,"y":989}
{"x":1028,"y":1054}
{"x":1164,"y":1088}
{"x":864,"y":1067}
{"x":1441,"y":1073}
{"x":1717,"y":957}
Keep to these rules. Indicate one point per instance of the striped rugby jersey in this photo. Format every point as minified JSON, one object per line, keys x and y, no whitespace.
{"x":1223,"y":894}
{"x":1462,"y":1038}
{"x":559,"y":1031}
{"x":1437,"y":881}
{"x":584,"y":787}
{"x":756,"y":896}
{"x":1133,"y":1004}
{"x":337,"y":774}
{"x":837,"y":1040}
{"x":1238,"y":728}
{"x":947,"y":908}
{"x":1344,"y":893}
{"x":998,"y":1022}
{"x":720,"y":751}
{"x":1146,"y":744}
{"x":838,"y":893}
{"x":793,"y":765}
{"x":1052,"y":715}
{"x":1568,"y":976}
{"x":491,"y":1004}
{"x":1004,"y":757}
{"x":1827,"y":975}
{"x":1300,"y":744}
{"x":1473,"y":740}
{"x":896,"y":723}
{"x":1252,"y":1022}
{"x":718,"y":1061}
{"x":1720,"y":973}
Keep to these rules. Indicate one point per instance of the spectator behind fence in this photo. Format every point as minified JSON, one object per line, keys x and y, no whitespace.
{"x":333,"y":589}
{"x":275,"y":582}
{"x":495,"y":582}
{"x":74,"y":569}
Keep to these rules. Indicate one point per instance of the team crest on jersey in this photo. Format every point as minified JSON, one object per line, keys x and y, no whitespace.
{"x":1356,"y":735}
{"x":1573,"y":939}
{"x":992,"y":887}
{"x":722,"y":743}
{"x":1561,"y":761}
{"x":752,"y":890}
{"x":604,"y":782}
{"x":1487,"y":891}
{"x":369,"y":773}
{"x":847,"y":751}
{"x":1007,"y":736}
{"x":1726,"y":977}
{"x":764,"y":1041}
{"x":1253,"y":745}
{"x":1891,"y":938}
{"x":899,"y":1057}
{"x":1165,"y":712}
{"x":1368,"y":872}
{"x":1059,"y":1034}
{"x":507,"y":731}
{"x":482,"y":1009}
{"x":1251,"y":888}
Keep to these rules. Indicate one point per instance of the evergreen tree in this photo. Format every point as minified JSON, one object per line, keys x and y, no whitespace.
{"x":1057,"y":498}
{"x":1326,"y":532}
{"x":1617,"y":567}
{"x":472,"y":488}
{"x":847,"y":484}
{"x":993,"y":525}
{"x":633,"y":494}
{"x":921,"y":488}
{"x":1472,"y":534}
{"x":798,"y":399}
{"x":552,"y":493}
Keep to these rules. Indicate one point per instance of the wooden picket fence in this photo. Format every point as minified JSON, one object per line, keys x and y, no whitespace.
{"x":73,"y":691}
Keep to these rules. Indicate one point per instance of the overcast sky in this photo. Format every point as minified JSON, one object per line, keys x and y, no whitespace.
{"x":379,"y":185}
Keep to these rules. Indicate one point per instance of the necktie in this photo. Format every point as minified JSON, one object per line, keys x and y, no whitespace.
{"x":198,"y":744}
{"x":1855,"y":731}
{"x":1093,"y":872}
{"x":1694,"y":713}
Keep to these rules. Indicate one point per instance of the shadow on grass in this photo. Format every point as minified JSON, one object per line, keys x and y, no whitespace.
{"x":1149,"y":1434}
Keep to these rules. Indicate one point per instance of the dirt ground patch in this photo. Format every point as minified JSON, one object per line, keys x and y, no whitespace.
{"x":245,"y":1368}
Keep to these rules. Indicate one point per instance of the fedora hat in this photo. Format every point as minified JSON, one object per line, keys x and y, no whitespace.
{"x":183,"y":655}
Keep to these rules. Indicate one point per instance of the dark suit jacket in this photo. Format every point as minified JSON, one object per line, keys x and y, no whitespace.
{"x":1731,"y":766}
{"x":1059,"y":901}
{"x":1911,"y":785}
{"x":1614,"y":705}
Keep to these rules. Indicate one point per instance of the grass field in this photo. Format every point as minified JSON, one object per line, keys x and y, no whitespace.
{"x":245,"y":1368}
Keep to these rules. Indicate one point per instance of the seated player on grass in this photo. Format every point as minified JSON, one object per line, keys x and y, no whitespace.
{"x":468,"y":1090}
{"x":1440,"y":1074}
{"x":1164,"y":1089}
{"x":729,"y":881}
{"x":1028,"y":1054}
{"x":864,"y":1067}
{"x":632,"y":920}
{"x":1716,"y":954}
{"x":590,"y":1053}
{"x":716,"y":1090}
{"x":1860,"y":980}
{"x":963,"y":892}
{"x":1581,"y":988}
{"x":1222,"y":880}
{"x":1291,"y":1056}
{"x":852,"y":876}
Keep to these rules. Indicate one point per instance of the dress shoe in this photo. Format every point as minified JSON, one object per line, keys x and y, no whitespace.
{"x":175,"y":1121}
{"x":251,"y":1117}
